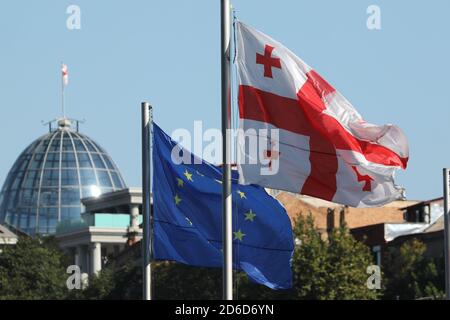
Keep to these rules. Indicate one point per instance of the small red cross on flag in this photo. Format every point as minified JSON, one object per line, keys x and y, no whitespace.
{"x":365,"y":178}
{"x":268,"y":61}
{"x":271,"y":154}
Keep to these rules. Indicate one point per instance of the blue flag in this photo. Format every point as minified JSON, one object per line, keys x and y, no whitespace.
{"x":188,"y":218}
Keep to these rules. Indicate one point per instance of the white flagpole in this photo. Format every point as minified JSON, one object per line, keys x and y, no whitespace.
{"x":446,"y":232}
{"x":146,"y":242}
{"x":227,"y":239}
{"x":62,"y":92}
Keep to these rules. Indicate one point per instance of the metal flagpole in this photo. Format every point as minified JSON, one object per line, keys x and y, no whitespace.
{"x":146,"y":243}
{"x":62,"y":92}
{"x":446,"y":233}
{"x":227,"y":240}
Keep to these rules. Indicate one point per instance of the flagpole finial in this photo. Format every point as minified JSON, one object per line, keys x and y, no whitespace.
{"x":64,"y":123}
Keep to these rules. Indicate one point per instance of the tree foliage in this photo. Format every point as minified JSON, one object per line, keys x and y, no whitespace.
{"x":333,"y":268}
{"x":33,"y":269}
{"x":411,"y":275}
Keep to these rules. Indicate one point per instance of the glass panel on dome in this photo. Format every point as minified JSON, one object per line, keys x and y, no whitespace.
{"x":48,"y":213}
{"x":70,"y":213}
{"x":55,"y":146}
{"x":11,"y":199}
{"x":116,"y":180}
{"x":83,"y":160}
{"x":32,"y":219}
{"x":86,"y":192}
{"x":98,"y":162}
{"x":4,"y":202}
{"x":25,"y":160}
{"x":68,"y":160}
{"x":48,"y":218}
{"x":37,"y":161}
{"x":103,"y":178}
{"x":17,"y":180}
{"x":79,"y":145}
{"x":23,"y":221}
{"x":28,"y":197}
{"x":32,"y":179}
{"x":52,"y":160}
{"x":69,"y":177}
{"x":42,"y":148}
{"x":52,"y":225}
{"x":90,"y":146}
{"x":70,"y":196}
{"x":109,"y":163}
{"x":50,"y":178}
{"x":67,"y":145}
{"x":87,"y":177}
{"x":49,"y":197}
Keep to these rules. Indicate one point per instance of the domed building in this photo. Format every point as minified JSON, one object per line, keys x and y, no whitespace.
{"x":51,"y":176}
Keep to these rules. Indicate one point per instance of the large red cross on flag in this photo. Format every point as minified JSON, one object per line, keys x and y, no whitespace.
{"x":325,"y":148}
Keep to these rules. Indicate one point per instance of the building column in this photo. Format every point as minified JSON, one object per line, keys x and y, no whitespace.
{"x":96,"y":258}
{"x":134,"y":217}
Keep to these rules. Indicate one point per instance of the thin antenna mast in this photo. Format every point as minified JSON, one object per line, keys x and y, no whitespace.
{"x":64,"y":82}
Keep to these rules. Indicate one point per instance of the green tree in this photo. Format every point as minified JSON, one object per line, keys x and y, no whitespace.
{"x":348,"y":260}
{"x":333,"y":268}
{"x":310,"y":260}
{"x":33,"y":269}
{"x":410,"y":275}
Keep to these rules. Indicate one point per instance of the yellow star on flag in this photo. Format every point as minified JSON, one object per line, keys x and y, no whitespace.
{"x":241,"y":194}
{"x":188,"y":175}
{"x":177,"y":199}
{"x":180,"y":182}
{"x":250,"y":216}
{"x":238,"y":235}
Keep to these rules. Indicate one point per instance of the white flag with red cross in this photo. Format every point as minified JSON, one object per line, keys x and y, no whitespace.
{"x":323,"y":147}
{"x":65,"y":74}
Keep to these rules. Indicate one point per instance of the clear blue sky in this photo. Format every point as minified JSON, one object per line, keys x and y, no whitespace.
{"x":167,"y":52}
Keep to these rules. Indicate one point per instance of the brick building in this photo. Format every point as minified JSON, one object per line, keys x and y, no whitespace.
{"x":328,"y":215}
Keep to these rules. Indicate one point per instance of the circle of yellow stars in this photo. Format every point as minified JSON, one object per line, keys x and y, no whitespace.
{"x":249,"y":216}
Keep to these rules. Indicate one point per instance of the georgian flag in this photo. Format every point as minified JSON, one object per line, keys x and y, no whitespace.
{"x":324,"y":148}
{"x":65,"y":74}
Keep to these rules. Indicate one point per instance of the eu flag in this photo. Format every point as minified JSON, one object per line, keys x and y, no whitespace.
{"x":187,"y":200}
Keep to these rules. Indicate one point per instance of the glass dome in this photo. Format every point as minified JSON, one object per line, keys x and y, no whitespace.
{"x":50,"y":177}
